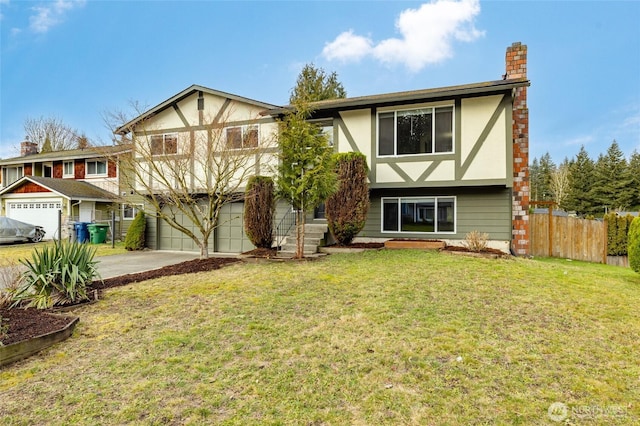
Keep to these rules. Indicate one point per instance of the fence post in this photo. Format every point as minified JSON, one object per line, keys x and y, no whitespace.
{"x":550,"y":230}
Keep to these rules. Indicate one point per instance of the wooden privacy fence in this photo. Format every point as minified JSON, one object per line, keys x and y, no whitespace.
{"x":568,"y":237}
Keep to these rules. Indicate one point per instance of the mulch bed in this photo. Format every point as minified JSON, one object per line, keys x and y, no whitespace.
{"x":488,"y":250}
{"x":360,"y":245}
{"x":28,"y":323}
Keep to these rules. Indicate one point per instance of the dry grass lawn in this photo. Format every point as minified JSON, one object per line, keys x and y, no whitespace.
{"x":383,"y":337}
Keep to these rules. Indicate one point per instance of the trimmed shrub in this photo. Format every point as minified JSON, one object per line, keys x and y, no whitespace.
{"x":634,"y":245}
{"x":617,"y":231}
{"x":57,"y":275}
{"x":135,"y":238}
{"x":259,"y":207}
{"x":347,"y":208}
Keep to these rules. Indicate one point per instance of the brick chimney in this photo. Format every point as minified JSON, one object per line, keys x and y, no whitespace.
{"x":28,"y":148}
{"x":516,"y":63}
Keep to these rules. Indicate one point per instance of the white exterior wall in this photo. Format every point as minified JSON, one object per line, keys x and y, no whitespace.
{"x":490,"y":161}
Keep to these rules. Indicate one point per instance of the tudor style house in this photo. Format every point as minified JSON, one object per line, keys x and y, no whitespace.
{"x":180,"y":133}
{"x":443,"y":161}
{"x":83,"y":184}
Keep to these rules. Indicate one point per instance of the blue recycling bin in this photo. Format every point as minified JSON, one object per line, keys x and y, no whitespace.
{"x":82,"y":233}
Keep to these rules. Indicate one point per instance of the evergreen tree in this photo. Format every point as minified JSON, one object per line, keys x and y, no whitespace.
{"x":612,"y":181}
{"x":305,"y":173}
{"x":46,"y":146}
{"x":534,"y":179}
{"x":581,"y":170}
{"x":547,"y":167}
{"x":634,"y":173}
{"x":314,"y":84}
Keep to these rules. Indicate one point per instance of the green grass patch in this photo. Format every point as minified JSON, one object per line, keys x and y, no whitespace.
{"x":384,"y":337}
{"x":14,"y":252}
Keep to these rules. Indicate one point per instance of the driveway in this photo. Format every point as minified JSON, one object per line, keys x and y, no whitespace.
{"x":140,"y":261}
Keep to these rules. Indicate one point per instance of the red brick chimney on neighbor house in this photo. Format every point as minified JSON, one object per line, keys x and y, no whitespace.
{"x":28,"y":148}
{"x":516,"y":61}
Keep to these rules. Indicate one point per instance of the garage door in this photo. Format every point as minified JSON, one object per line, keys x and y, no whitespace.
{"x":42,"y":213}
{"x":229,"y":235}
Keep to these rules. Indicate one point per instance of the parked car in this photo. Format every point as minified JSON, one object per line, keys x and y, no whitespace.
{"x":12,"y":231}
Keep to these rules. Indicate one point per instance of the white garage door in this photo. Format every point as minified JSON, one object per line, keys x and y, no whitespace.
{"x":42,"y":213}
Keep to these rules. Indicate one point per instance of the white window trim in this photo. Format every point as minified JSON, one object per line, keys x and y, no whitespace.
{"x":396,"y":110}
{"x":136,"y":209}
{"x":64,"y":174}
{"x":435,"y":197}
{"x":5,"y":172}
{"x":242,"y":128}
{"x":86,"y":168}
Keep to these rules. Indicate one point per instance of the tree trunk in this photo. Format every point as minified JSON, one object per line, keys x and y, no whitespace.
{"x":204,"y":249}
{"x":299,"y":234}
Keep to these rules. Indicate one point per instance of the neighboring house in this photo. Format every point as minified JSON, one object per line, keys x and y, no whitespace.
{"x":81,"y":183}
{"x":443,"y":162}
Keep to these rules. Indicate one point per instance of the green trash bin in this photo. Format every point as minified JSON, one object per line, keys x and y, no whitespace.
{"x":97,"y":233}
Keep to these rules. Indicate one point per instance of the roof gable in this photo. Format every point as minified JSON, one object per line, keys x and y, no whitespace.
{"x":68,"y":188}
{"x":169,"y":103}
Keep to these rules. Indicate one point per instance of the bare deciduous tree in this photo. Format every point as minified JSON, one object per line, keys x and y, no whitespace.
{"x":559,"y":184}
{"x":194,"y":174}
{"x":52,"y":129}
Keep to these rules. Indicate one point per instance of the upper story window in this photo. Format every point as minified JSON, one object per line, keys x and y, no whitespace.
{"x":242,"y":137}
{"x":11,"y":174}
{"x":166,"y":144}
{"x":47,"y":170}
{"x":67,"y":169}
{"x":96,"y":168}
{"x":426,"y":130}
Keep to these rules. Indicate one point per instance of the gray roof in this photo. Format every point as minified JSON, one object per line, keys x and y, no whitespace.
{"x":126,"y":128}
{"x":487,"y":87}
{"x":69,"y":154}
{"x":68,"y":188}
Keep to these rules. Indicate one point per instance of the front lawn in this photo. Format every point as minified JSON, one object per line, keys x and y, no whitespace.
{"x":383,"y":337}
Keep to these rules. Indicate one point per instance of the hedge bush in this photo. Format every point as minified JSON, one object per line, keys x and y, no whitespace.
{"x":136,"y":234}
{"x":347,"y":208}
{"x":634,"y":245}
{"x":259,"y":207}
{"x":617,"y":232}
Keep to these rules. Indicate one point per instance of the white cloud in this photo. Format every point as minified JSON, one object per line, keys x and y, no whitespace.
{"x":580,"y":140}
{"x":49,"y":14}
{"x":427,"y":34}
{"x":347,"y":46}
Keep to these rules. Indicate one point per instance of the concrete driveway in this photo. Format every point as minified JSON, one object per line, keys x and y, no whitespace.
{"x":140,"y":261}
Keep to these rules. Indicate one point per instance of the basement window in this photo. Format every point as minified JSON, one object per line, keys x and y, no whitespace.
{"x":419,"y":214}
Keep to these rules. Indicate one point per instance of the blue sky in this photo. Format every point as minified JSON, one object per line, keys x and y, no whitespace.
{"x":75,"y":60}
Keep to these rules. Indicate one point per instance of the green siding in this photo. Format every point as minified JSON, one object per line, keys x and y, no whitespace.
{"x":482,"y":209}
{"x":228,"y":237}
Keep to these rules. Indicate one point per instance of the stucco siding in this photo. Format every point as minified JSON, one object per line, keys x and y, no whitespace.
{"x":483,"y":141}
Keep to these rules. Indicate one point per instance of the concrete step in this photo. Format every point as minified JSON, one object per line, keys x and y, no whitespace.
{"x":308,"y":248}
